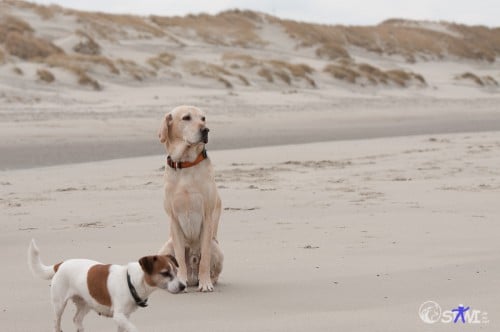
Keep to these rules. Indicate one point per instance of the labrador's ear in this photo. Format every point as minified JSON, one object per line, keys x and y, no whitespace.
{"x":165,"y":125}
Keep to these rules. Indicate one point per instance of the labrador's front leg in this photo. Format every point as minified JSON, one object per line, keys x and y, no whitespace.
{"x":179,"y":250}
{"x":205,"y":283}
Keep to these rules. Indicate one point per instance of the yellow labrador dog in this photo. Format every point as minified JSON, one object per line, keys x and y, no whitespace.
{"x":191,"y":198}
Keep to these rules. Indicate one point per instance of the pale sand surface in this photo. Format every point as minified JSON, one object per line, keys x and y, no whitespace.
{"x":42,"y":135}
{"x":334,"y":236}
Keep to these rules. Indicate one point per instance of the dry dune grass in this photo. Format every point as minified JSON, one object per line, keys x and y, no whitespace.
{"x":412,"y":40}
{"x":134,"y":70}
{"x":229,"y":28}
{"x":45,"y":12}
{"x":18,"y":71}
{"x":332,"y":52}
{"x":373,"y":74}
{"x":28,"y":47}
{"x":213,"y":71}
{"x":311,"y":34}
{"x":18,"y":39}
{"x":240,"y":59}
{"x":342,"y":73}
{"x":209,"y":70}
{"x":296,"y":70}
{"x":85,"y":79}
{"x":402,"y":77}
{"x":271,"y":69}
{"x":10,"y":24}
{"x":267,"y":74}
{"x":481,"y":81}
{"x":108,"y":26}
{"x":393,"y":38}
{"x":329,"y":39}
{"x":45,"y":75}
{"x":364,"y":73}
{"x":161,"y":60}
{"x":80,"y":65}
{"x":282,"y":75}
{"x":87,"y":62}
{"x":484,"y":41}
{"x":87,"y":45}
{"x":243,"y":79}
{"x":239,"y":28}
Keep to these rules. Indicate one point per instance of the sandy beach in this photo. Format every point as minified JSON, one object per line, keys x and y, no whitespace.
{"x":31,"y":137}
{"x":349,"y":235}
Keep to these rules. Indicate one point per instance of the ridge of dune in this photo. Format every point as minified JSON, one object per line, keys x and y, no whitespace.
{"x":46,"y":49}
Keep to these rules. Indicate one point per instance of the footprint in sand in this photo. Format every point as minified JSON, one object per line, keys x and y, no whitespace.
{"x":95,"y":224}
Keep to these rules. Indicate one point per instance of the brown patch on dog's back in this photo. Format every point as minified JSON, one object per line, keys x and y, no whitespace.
{"x":97,"y":283}
{"x":56,"y":267}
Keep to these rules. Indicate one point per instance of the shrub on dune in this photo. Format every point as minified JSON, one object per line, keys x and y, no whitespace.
{"x":87,"y":45}
{"x":161,"y":60}
{"x":351,"y":72}
{"x":481,"y":81}
{"x":45,"y":75}
{"x":342,"y":73}
{"x":28,"y":47}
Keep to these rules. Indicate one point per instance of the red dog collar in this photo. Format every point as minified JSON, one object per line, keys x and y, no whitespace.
{"x":186,"y":164}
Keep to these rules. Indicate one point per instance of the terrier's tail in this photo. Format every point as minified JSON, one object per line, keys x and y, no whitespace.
{"x":35,"y":263}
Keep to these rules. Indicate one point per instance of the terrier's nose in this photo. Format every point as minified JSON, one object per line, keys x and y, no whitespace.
{"x":182,"y":287}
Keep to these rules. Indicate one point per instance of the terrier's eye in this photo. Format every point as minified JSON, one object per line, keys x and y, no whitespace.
{"x":166,"y":274}
{"x":186,"y":117}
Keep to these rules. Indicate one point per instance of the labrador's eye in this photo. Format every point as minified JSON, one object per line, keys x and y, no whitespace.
{"x":186,"y":117}
{"x":203,"y":118}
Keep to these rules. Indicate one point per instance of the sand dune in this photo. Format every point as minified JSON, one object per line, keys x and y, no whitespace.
{"x":51,"y":48}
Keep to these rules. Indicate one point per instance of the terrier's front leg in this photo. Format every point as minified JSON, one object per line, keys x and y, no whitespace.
{"x":123,"y":323}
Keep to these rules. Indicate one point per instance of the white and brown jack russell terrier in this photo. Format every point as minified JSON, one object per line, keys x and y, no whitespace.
{"x":111,"y":290}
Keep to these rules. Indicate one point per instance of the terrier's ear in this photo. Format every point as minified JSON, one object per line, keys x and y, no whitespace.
{"x":147,"y":263}
{"x":165,"y":125}
{"x":172,"y":258}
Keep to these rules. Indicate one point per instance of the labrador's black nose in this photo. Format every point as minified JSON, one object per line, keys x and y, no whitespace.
{"x":204,"y":135}
{"x":182,"y":287}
